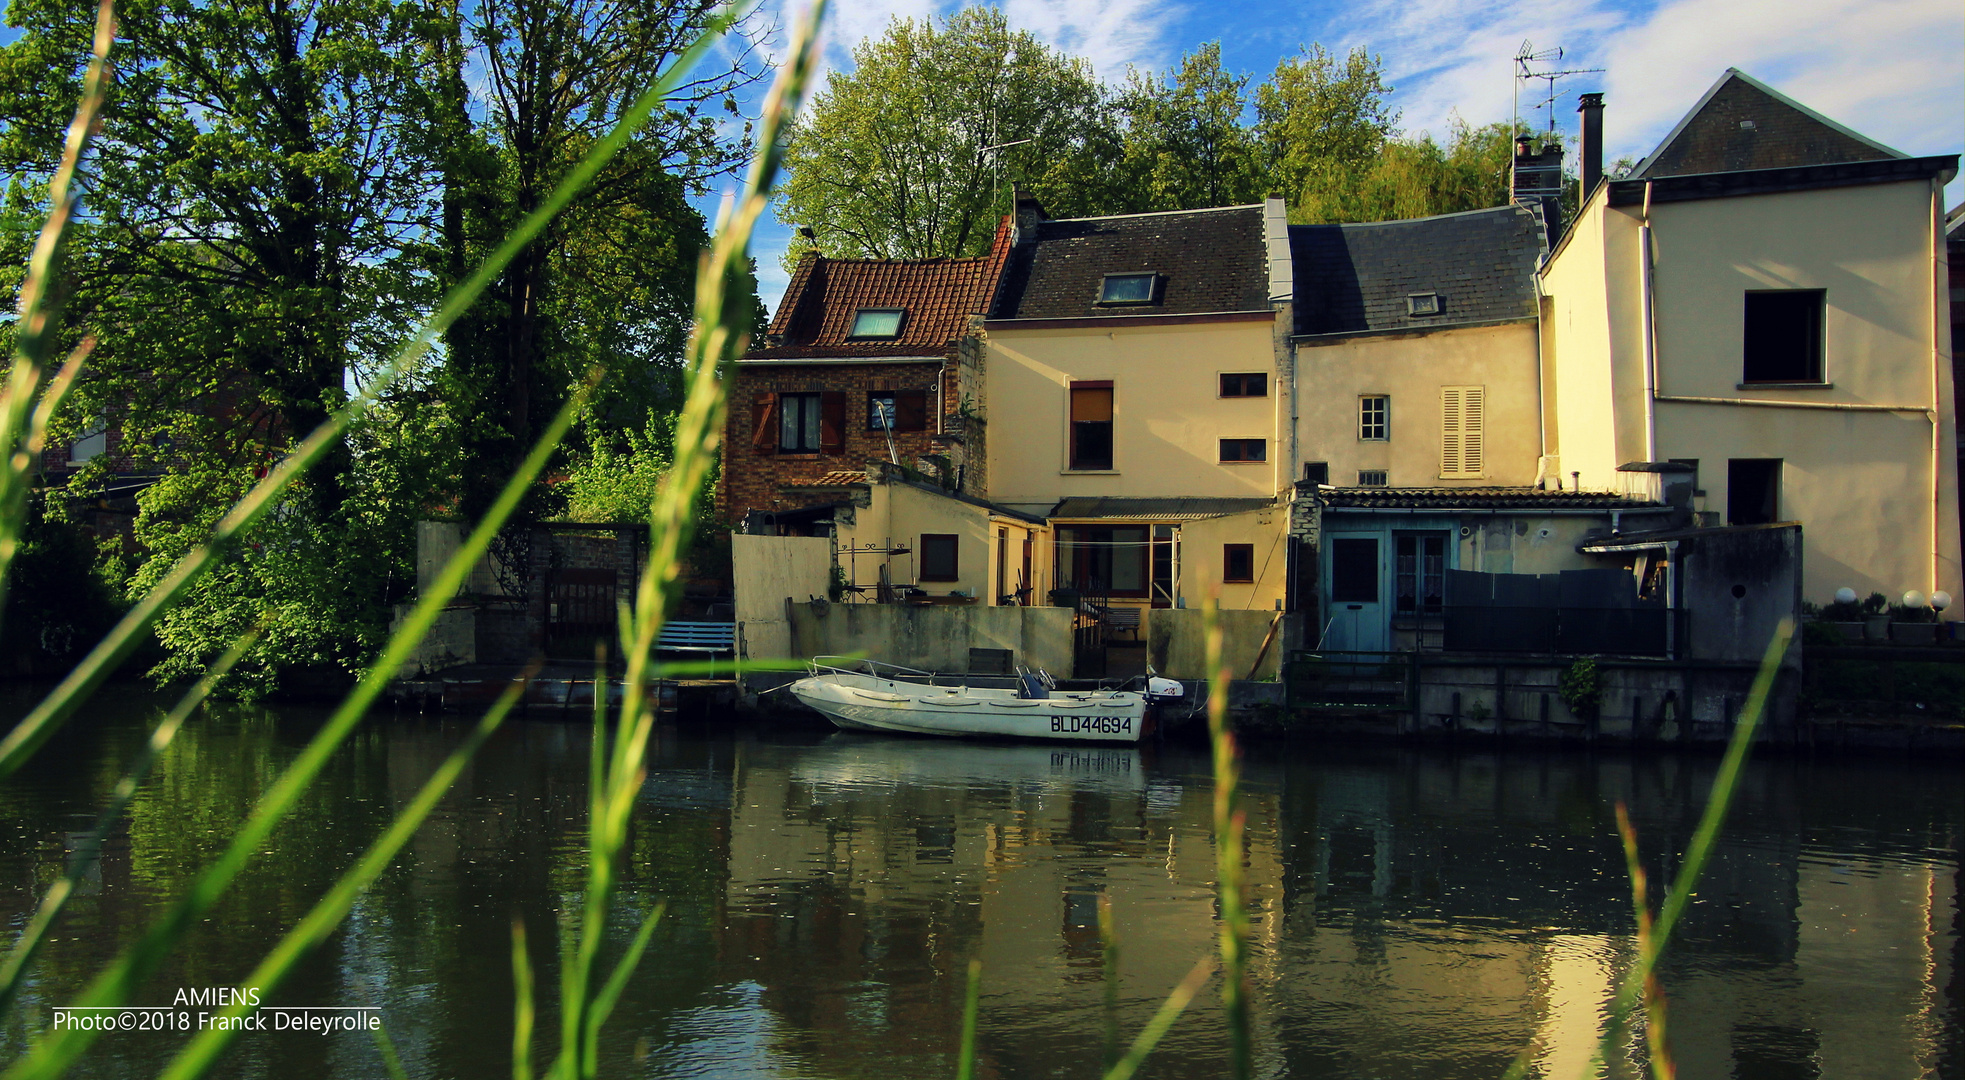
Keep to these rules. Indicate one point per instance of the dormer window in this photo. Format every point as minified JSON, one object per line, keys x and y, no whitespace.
{"x":877,"y":323}
{"x":1128,"y":288}
{"x":1419,"y":304}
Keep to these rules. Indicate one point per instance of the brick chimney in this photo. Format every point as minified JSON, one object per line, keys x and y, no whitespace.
{"x":1029,"y":212}
{"x":1591,"y":106}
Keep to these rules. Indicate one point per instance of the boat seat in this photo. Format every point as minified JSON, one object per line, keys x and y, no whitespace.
{"x":1033,"y":686}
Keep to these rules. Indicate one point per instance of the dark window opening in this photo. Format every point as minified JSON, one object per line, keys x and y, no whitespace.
{"x":799,"y":421}
{"x":1003,"y":585}
{"x":1238,"y":563}
{"x":1244,"y":450}
{"x":1252,"y":384}
{"x":1113,"y":561}
{"x":1371,"y":478}
{"x":1316,"y":472}
{"x":1354,"y":571}
{"x":1091,"y":426}
{"x":1753,"y":491}
{"x":938,"y":557}
{"x":1420,"y":573}
{"x":1128,"y":288}
{"x":1784,"y":337}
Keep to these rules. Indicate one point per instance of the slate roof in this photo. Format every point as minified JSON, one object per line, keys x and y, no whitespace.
{"x":1715,"y":137}
{"x":939,"y":296}
{"x":1356,"y":278}
{"x":1209,"y":261}
{"x":1136,"y":509}
{"x":1473,"y":498}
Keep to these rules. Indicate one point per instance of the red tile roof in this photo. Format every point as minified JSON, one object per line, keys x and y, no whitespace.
{"x":939,"y":296}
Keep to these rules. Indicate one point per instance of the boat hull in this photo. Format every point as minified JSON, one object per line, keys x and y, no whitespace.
{"x":856,"y":702}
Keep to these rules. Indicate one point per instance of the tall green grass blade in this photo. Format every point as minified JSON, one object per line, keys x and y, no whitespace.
{"x":391,"y":1061}
{"x":522,"y":1008}
{"x":26,"y":736}
{"x":965,"y":1068}
{"x":328,"y":912}
{"x":39,"y":313}
{"x":114,"y":984}
{"x":1229,"y":823}
{"x":1108,"y":940}
{"x":1718,"y":801}
{"x":1163,"y":1019}
{"x":713,"y":341}
{"x":57,"y":896}
{"x":617,"y":982}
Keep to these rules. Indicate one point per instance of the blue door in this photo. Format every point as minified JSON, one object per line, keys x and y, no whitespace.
{"x":1354,"y":583}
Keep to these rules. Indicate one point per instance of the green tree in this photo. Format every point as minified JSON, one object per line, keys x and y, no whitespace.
{"x":893,"y":159}
{"x":1322,"y":121}
{"x":1186,"y":145}
{"x":1417,"y":178}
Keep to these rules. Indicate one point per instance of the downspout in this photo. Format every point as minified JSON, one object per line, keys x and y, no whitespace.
{"x":1296,"y":450}
{"x":1650,"y":332}
{"x":1541,"y":381}
{"x":1938,"y":274}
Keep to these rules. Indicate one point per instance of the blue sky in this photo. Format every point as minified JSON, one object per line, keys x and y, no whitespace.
{"x":1892,"y":69}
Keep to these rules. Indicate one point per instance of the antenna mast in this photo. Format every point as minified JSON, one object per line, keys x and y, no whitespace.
{"x":1526,"y":63}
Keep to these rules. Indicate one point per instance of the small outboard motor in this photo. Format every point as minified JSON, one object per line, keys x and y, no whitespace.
{"x":1163,"y":691}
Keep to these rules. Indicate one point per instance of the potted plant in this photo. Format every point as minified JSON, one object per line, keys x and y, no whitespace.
{"x":1913,"y":622}
{"x":1876,"y":617}
{"x":1845,"y":615}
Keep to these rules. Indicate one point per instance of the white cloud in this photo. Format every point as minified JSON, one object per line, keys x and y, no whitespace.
{"x":1112,"y":34}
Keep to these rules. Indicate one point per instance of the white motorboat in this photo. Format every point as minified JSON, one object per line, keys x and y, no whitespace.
{"x":871,"y":700}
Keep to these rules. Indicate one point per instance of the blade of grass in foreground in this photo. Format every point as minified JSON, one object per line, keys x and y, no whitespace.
{"x":1164,"y":1018}
{"x":115,"y":983}
{"x":328,"y":912}
{"x":23,"y":425}
{"x":718,"y":335}
{"x":21,"y":742}
{"x":1229,"y":823}
{"x":965,"y":1067}
{"x":57,"y":896}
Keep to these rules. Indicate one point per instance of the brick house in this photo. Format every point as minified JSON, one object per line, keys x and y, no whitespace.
{"x":866,"y":360}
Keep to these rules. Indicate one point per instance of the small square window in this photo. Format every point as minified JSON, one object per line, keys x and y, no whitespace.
{"x":1374,"y":418}
{"x":1371,"y":478}
{"x":1238,"y":562}
{"x":1244,"y":450}
{"x":1128,"y":288}
{"x":877,"y":323}
{"x":1249,"y":384}
{"x":1316,"y":472}
{"x":1426,"y":303}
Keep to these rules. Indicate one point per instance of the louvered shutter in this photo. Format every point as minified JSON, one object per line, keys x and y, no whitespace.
{"x":1463,"y":431}
{"x":832,"y":421}
{"x":911,"y":410}
{"x":764,"y":424}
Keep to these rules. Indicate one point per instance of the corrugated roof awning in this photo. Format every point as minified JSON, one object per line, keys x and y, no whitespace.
{"x":1472,"y":498}
{"x":1122,"y":509}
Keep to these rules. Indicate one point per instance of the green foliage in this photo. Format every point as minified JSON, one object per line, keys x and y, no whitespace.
{"x":1185,"y":144}
{"x":892,"y":158}
{"x":615,"y":481}
{"x":1415,"y":177}
{"x":1322,"y":121}
{"x":1875,"y":604}
{"x":1581,"y":687}
{"x":57,"y":605}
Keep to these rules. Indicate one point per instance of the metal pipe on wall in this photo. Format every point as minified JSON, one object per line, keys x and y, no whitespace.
{"x":1650,"y":332}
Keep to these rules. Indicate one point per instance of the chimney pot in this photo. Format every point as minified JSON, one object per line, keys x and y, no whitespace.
{"x":1591,"y":106}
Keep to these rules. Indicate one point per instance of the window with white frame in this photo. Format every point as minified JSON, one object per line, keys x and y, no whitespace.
{"x":1374,"y":418}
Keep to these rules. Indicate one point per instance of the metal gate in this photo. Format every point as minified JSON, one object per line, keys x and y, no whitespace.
{"x":579,"y":612}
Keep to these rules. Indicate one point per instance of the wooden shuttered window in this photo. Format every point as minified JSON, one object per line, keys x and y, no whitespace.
{"x":764,"y":424}
{"x":910,"y":410}
{"x":1463,"y":431}
{"x":832,"y":421}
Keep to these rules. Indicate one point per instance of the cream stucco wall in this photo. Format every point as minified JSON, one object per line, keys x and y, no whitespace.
{"x":897,"y":515}
{"x":1865,"y":482}
{"x":1168,"y":415}
{"x":1411,"y":369}
{"x":1201,"y":557}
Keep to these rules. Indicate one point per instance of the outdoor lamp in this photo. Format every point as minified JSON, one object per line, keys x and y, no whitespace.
{"x":1913,"y":599}
{"x":1940,"y":600}
{"x":1845,"y":595}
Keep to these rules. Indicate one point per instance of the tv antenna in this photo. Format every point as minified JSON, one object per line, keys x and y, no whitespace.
{"x":1547,"y":66}
{"x":996,"y":159}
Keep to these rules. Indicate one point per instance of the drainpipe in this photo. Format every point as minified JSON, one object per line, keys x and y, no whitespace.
{"x":1650,"y":332}
{"x":1937,"y":391}
{"x":1295,"y":450}
{"x":1541,"y":384}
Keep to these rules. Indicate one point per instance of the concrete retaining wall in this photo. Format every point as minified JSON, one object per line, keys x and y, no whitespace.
{"x":767,"y":570}
{"x":1176,"y":643}
{"x":934,"y":638}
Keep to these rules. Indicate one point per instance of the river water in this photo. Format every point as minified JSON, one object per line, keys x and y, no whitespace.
{"x":1417,"y":913}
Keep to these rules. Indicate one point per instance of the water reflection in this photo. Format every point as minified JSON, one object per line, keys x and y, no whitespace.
{"x":1416,"y":914}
